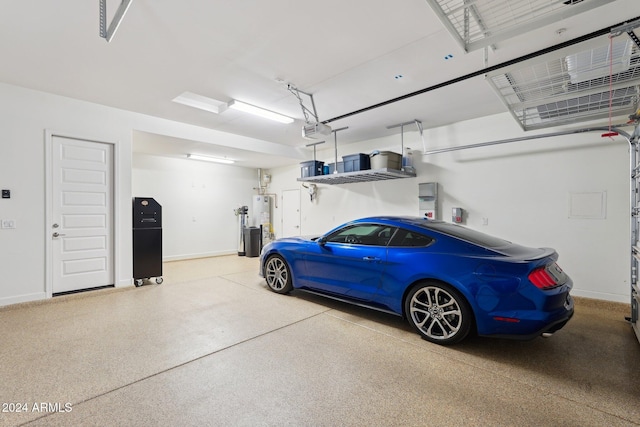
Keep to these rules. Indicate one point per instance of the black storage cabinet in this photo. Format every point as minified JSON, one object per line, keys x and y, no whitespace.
{"x":252,"y":237}
{"x":147,"y":240}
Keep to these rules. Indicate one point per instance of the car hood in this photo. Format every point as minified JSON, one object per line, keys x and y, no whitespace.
{"x":297,"y":239}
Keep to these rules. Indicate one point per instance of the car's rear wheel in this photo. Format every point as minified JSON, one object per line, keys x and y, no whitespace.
{"x":438,"y":312}
{"x":278,"y":275}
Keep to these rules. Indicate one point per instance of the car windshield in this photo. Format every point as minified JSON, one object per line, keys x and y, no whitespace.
{"x":465,"y":234}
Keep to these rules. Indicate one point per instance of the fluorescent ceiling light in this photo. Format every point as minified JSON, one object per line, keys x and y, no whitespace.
{"x":210,"y":159}
{"x":252,"y":109}
{"x":202,"y":102}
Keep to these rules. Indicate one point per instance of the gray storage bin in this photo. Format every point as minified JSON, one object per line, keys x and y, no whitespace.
{"x":332,"y":167}
{"x":386,"y":160}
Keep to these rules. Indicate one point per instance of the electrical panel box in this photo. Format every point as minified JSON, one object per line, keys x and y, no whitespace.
{"x":428,"y":200}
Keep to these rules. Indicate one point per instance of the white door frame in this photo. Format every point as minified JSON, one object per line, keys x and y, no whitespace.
{"x":48,"y":170}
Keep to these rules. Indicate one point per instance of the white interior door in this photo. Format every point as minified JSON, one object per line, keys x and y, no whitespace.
{"x":290,"y":213}
{"x":81,"y":225}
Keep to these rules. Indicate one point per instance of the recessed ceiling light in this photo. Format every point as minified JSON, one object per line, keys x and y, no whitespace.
{"x":202,"y":102}
{"x":258,"y":111}
{"x":210,"y":158}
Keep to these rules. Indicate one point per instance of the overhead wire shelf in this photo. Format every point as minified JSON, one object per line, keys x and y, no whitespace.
{"x":359,"y":176}
{"x":597,"y":82}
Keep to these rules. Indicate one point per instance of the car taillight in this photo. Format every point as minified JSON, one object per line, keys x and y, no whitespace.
{"x":541,"y":278}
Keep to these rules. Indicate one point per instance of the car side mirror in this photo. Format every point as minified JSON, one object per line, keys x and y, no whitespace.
{"x":322,"y":241}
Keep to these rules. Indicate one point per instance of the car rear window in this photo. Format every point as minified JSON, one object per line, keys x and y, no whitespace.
{"x":406,"y":238}
{"x":464,"y":233}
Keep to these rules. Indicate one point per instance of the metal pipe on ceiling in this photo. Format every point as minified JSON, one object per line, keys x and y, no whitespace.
{"x":486,"y":70}
{"x":530,"y":137}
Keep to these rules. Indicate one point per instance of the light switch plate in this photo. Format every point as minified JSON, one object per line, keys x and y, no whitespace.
{"x":8,"y":223}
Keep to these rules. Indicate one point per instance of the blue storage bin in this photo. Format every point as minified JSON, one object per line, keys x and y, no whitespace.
{"x":356,"y":162}
{"x":311,"y":168}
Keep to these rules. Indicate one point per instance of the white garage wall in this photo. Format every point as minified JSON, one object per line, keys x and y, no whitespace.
{"x":197,"y":199}
{"x":25,"y":116}
{"x":523,"y":189}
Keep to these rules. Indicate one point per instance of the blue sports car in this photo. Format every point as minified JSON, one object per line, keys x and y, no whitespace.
{"x":449,"y":281}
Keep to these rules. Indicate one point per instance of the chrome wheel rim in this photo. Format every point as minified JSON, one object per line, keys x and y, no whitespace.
{"x":276,"y":274}
{"x":436,"y":313}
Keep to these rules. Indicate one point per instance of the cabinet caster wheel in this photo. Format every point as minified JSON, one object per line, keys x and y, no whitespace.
{"x":159,"y":280}
{"x":138,"y":282}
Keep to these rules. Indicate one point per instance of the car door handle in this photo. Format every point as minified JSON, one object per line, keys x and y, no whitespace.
{"x":370,"y":258}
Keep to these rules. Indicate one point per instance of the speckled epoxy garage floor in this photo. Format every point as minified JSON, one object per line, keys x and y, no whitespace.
{"x":212,"y":346}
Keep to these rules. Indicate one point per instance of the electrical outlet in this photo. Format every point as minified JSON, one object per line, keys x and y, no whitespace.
{"x":8,"y":223}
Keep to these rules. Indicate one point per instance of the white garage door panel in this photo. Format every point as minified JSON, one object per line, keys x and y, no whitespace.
{"x":84,"y":176}
{"x":84,"y":221}
{"x":77,"y":198}
{"x":87,"y":154}
{"x":84,"y":266}
{"x":84,"y":244}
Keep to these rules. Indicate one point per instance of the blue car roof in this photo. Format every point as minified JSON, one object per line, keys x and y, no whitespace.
{"x":449,"y":229}
{"x":410,"y":220}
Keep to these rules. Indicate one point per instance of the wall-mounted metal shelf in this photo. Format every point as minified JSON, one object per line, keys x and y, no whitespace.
{"x":359,"y":176}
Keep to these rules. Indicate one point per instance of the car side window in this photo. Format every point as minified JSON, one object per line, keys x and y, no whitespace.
{"x":363,"y":234}
{"x":406,"y":238}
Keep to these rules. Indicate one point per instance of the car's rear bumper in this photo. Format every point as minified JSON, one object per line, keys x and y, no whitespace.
{"x":548,"y":328}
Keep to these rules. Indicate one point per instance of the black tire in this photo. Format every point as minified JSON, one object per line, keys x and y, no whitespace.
{"x":438,"y":312}
{"x":278,"y":275}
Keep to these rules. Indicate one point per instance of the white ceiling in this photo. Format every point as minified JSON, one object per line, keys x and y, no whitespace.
{"x":346,"y":53}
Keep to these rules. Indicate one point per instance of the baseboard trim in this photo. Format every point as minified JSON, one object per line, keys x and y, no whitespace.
{"x":22,"y":299}
{"x":185,"y":257}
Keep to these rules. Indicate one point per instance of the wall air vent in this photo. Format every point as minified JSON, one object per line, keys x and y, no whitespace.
{"x":578,"y":86}
{"x":480,"y":23}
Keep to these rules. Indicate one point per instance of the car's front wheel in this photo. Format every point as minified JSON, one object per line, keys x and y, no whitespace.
{"x":278,"y":275}
{"x":438,"y":312}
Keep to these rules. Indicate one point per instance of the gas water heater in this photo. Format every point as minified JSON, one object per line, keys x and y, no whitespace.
{"x":261,"y":216}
